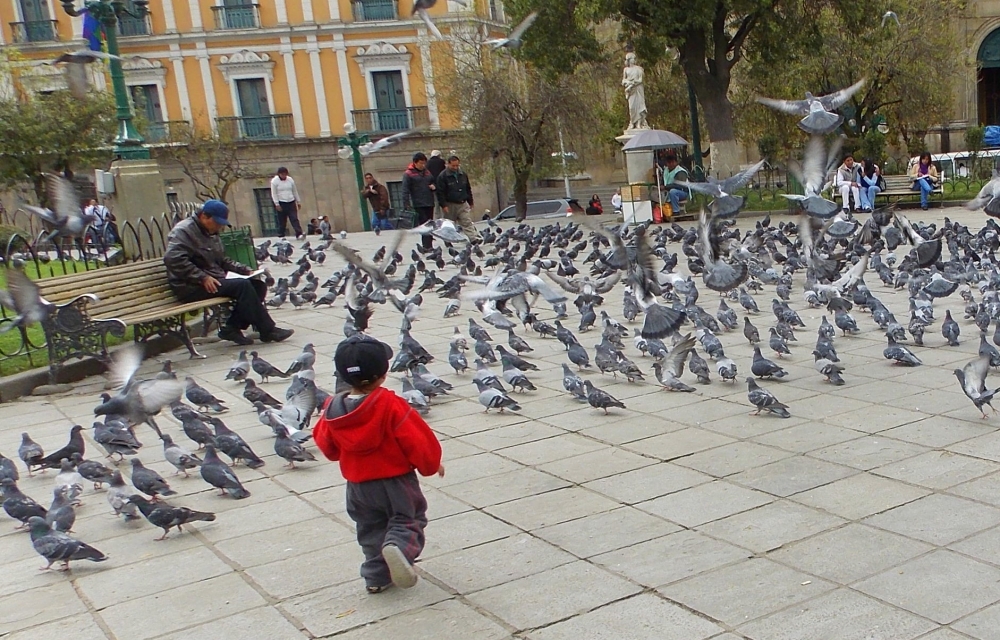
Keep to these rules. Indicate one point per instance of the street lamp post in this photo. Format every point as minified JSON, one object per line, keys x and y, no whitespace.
{"x":128,"y":143}
{"x":350,"y":145}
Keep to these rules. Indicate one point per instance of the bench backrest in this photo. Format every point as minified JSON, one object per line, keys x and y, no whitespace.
{"x":122,"y":289}
{"x":896,"y":183}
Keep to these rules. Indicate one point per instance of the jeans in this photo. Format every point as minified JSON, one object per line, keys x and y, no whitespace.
{"x":845,"y":190}
{"x":381,"y":222}
{"x":925,"y":187}
{"x":868,"y":195}
{"x":288,"y":212}
{"x":677,"y":196}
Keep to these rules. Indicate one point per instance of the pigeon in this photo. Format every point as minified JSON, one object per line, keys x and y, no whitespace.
{"x":66,"y":219}
{"x":986,"y":349}
{"x":492,"y":398}
{"x":61,"y":516}
{"x":230,"y":443}
{"x":30,"y":453}
{"x":289,"y":449}
{"x":972,"y":378}
{"x":138,"y":400}
{"x":218,"y":474}
{"x":265,"y":369}
{"x":414,"y":397}
{"x":574,"y":384}
{"x":764,"y":400}
{"x":75,"y":69}
{"x":845,"y":322}
{"x":926,"y":251}
{"x":950,"y":329}
{"x":514,"y":360}
{"x":777,"y":344}
{"x":900,"y":354}
{"x":253,"y":393}
{"x":747,"y":302}
{"x":442,"y":229}
{"x":166,"y":517}
{"x":890,"y":16}
{"x":196,"y":429}
{"x":669,"y":372}
{"x":699,"y":367}
{"x":727,"y":369}
{"x":600,"y":399}
{"x":93,"y":471}
{"x":118,"y":495}
{"x":304,"y":360}
{"x":69,"y":478}
{"x":817,"y":110}
{"x":8,"y":469}
{"x":988,"y":198}
{"x":764,"y":368}
{"x":517,"y":343}
{"x":149,"y":482}
{"x":831,"y":370}
{"x":578,"y":356}
{"x":513,"y":39}
{"x":178,"y":456}
{"x":56,"y":546}
{"x":75,"y":445}
{"x":240,"y":369}
{"x":202,"y":397}
{"x":23,"y":301}
{"x":18,"y":505}
{"x":457,"y":359}
{"x":517,"y":380}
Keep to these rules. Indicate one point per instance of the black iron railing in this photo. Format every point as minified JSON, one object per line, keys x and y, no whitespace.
{"x":34,"y":31}
{"x":276,"y":125}
{"x":368,"y":10}
{"x":160,"y":131}
{"x":241,"y":16}
{"x":389,"y":120}
{"x":131,"y":26}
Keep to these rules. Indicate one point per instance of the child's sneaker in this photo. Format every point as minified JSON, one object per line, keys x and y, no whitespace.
{"x":402,"y":572}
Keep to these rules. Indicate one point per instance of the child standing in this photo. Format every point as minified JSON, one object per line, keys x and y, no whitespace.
{"x":380,"y":442}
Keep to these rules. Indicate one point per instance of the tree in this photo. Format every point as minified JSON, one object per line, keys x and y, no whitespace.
{"x":53,"y":132}
{"x":214,"y":162}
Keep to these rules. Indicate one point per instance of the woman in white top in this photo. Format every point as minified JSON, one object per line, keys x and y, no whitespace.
{"x":616,"y":200}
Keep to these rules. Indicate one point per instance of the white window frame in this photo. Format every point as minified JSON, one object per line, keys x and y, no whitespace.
{"x":153,"y":73}
{"x":382,"y":56}
{"x":237,"y":105}
{"x":248,"y":65}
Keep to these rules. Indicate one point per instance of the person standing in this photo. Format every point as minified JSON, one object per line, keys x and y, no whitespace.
{"x":435,"y":164}
{"x":454,"y":193}
{"x":378,"y":199}
{"x":418,"y":194}
{"x":197,"y":267}
{"x":105,"y":226}
{"x":287,"y":202}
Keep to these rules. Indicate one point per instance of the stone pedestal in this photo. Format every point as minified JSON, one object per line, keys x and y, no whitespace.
{"x":636,"y":205}
{"x":139,"y":194}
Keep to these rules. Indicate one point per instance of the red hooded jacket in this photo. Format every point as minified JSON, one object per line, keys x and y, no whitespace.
{"x":382,"y":438}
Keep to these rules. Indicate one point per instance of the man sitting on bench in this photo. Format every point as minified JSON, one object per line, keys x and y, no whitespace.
{"x":197,"y":267}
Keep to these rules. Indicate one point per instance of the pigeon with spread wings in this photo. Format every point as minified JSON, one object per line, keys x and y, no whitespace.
{"x":819,"y":119}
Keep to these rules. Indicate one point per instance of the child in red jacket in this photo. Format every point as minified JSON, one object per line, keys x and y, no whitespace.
{"x":380,"y":442}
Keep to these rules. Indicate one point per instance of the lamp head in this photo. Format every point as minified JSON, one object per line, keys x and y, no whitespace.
{"x":344,"y":153}
{"x":349,"y":128}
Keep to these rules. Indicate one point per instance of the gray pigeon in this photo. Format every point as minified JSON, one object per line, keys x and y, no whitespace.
{"x":574,"y":384}
{"x":56,"y":546}
{"x":75,"y":69}
{"x":265,"y":369}
{"x":233,"y":445}
{"x":23,"y":301}
{"x":972,"y":378}
{"x":514,"y":360}
{"x":218,"y":474}
{"x":578,"y":356}
{"x":819,"y":119}
{"x":900,"y":354}
{"x":492,"y":398}
{"x":304,"y":360}
{"x":764,"y":368}
{"x":201,"y":397}
{"x":61,"y":514}
{"x":66,"y":219}
{"x":165,"y":516}
{"x":950,"y":329}
{"x":19,"y":505}
{"x":139,"y":400}
{"x":290,"y":450}
{"x":457,"y":359}
{"x":240,"y":369}
{"x":831,"y":370}
{"x":764,"y":400}
{"x":116,"y":439}
{"x":517,"y":380}
{"x":149,"y":481}
{"x":600,"y":399}
{"x":8,"y":469}
{"x":513,"y":39}
{"x":92,"y":470}
{"x":118,"y":497}
{"x":181,"y":458}
{"x":30,"y":453}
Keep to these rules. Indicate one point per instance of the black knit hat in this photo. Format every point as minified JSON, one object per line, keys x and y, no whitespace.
{"x":361,"y":360}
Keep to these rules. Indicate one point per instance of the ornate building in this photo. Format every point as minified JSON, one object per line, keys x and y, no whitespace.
{"x":284,"y":75}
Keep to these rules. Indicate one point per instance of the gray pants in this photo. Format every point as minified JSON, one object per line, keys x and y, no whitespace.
{"x":459,"y":213}
{"x":387,"y":511}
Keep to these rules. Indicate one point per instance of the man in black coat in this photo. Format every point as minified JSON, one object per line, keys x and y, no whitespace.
{"x":418,"y":193}
{"x":197,"y":267}
{"x":454,"y":193}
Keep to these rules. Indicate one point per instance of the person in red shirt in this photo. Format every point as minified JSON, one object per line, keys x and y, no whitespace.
{"x":380,"y":442}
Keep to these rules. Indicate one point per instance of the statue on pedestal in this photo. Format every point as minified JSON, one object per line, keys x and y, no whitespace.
{"x":635,"y":92}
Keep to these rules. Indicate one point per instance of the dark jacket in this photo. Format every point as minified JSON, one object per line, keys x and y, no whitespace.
{"x":435,"y":165}
{"x":416,"y":188}
{"x":453,"y":186}
{"x":192,"y":253}
{"x":377,"y":195}
{"x":382,"y":438}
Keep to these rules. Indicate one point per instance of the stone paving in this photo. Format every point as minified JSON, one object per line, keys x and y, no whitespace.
{"x":872,"y":514}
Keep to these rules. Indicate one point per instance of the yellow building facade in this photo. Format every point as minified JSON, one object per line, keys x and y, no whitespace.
{"x":284,"y":75}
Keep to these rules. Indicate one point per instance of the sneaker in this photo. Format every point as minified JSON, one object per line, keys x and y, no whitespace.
{"x":235,"y":335}
{"x":276,"y":334}
{"x":402,"y":572}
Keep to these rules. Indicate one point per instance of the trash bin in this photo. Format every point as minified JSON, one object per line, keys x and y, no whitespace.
{"x":238,"y":245}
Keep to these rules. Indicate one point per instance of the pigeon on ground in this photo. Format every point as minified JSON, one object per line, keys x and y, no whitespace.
{"x":56,"y":546}
{"x":149,"y":482}
{"x":727,"y":369}
{"x":199,"y":432}
{"x":699,"y":367}
{"x":61,"y":515}
{"x":8,"y":469}
{"x":118,"y":497}
{"x":517,"y":343}
{"x":578,"y":356}
{"x":202,"y":398}
{"x":181,"y":458}
{"x":764,"y":368}
{"x":230,"y":443}
{"x":972,"y":378}
{"x":457,"y":359}
{"x":253,"y":393}
{"x":289,"y":449}
{"x":30,"y":453}
{"x":265,"y":369}
{"x":17,"y":504}
{"x":900,"y":354}
{"x":75,"y":445}
{"x":514,"y":360}
{"x":517,"y":380}
{"x":93,"y":471}
{"x":950,"y":329}
{"x":831,"y":370}
{"x":492,"y":398}
{"x":69,"y":478}
{"x":304,"y":360}
{"x":166,"y":517}
{"x":764,"y":400}
{"x":574,"y":384}
{"x":218,"y":474}
{"x":240,"y":369}
{"x":777,"y":343}
{"x":600,"y":399}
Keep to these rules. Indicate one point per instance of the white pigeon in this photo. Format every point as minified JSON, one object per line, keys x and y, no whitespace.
{"x":817,"y":109}
{"x":75,"y":69}
{"x":988,"y":198}
{"x":890,"y":15}
{"x":513,"y":40}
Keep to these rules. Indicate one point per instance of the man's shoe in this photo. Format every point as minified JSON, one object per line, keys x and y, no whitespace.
{"x":276,"y":335}
{"x":235,"y":335}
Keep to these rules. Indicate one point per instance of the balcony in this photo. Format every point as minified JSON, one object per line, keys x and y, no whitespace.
{"x":277,"y":125}
{"x":389,"y":120}
{"x":162,"y":131}
{"x":368,"y":10}
{"x":129,"y":26}
{"x":244,"y":16}
{"x":34,"y":31}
